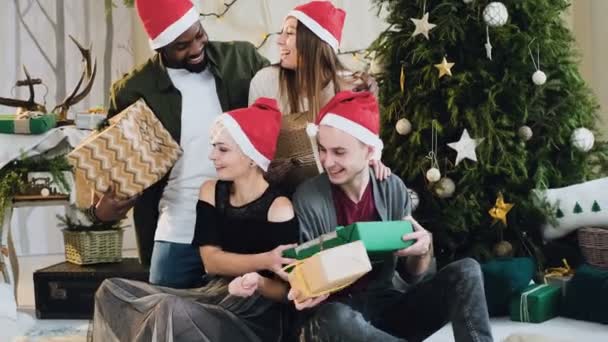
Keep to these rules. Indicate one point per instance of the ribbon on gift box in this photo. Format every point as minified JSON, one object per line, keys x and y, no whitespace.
{"x":22,"y":121}
{"x":524,"y":313}
{"x":559,"y":271}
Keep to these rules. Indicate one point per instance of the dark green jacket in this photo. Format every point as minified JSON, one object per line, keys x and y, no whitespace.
{"x":233,"y":65}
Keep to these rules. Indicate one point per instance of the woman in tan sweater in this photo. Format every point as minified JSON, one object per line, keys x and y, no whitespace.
{"x":308,"y":75}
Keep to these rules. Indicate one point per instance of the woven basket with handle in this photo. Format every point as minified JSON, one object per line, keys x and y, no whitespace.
{"x":594,"y":245}
{"x":93,"y":247}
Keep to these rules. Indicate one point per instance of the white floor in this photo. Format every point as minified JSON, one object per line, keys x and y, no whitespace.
{"x":558,"y":329}
{"x":28,"y":329}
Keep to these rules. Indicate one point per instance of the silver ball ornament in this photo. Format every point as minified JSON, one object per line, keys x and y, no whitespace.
{"x":539,"y":77}
{"x":525,"y":133}
{"x":433,"y":175}
{"x":414,"y":198}
{"x":403,"y":126}
{"x":495,"y":14}
{"x":582,"y":139}
{"x":445,"y":188}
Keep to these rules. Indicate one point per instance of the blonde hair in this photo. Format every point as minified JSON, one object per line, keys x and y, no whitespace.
{"x":217,"y":128}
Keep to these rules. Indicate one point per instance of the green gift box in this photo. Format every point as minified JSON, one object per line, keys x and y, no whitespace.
{"x":378,"y":237}
{"x":35,"y":123}
{"x":536,"y":304}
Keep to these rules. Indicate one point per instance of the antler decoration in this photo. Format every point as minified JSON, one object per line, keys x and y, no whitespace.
{"x":29,"y":104}
{"x":61,"y":110}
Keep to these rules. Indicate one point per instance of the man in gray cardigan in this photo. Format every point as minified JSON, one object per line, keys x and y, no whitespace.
{"x":372,"y":309}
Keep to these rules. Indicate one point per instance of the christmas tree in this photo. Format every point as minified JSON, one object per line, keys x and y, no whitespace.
{"x":481,"y":102}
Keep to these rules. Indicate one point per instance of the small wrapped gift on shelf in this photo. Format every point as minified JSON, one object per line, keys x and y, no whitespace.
{"x":90,"y":119}
{"x":329,"y":270}
{"x":536,"y":304}
{"x":27,"y":123}
{"x":132,"y":153}
{"x":378,"y":237}
{"x":559,"y":276}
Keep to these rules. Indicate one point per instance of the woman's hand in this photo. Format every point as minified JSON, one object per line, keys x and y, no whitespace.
{"x":275,"y":260}
{"x":381,"y":171}
{"x":306,"y":303}
{"x":245,"y":285}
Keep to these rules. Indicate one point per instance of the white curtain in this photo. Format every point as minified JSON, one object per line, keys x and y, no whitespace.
{"x":33,"y":33}
{"x":36,"y":43}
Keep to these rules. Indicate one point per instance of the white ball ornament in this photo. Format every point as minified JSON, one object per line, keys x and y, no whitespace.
{"x":433,"y":175}
{"x":525,"y":133}
{"x":582,"y":139}
{"x":445,"y":188}
{"x":403,"y":126}
{"x":415,"y":199}
{"x":495,"y":14}
{"x":539,"y":77}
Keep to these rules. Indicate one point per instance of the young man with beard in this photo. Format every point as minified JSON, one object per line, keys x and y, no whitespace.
{"x":187,"y":83}
{"x":372,"y":309}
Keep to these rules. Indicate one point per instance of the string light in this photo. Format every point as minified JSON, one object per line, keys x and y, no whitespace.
{"x":227,"y":7}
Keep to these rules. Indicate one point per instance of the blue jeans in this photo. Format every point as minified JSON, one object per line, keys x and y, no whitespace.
{"x":176,"y":265}
{"x":454,"y":294}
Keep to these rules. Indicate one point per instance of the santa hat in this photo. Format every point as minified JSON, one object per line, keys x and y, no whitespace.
{"x":323,"y":19}
{"x":355,"y":113}
{"x":165,"y":20}
{"x":255,"y":129}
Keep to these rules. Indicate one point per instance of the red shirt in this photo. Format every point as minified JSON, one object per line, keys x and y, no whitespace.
{"x":348,"y":212}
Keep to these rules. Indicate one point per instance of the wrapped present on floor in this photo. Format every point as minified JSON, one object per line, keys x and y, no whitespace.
{"x":559,"y":276}
{"x":587,"y":295}
{"x":536,"y":304}
{"x":90,"y":119}
{"x":330,"y":270}
{"x":27,"y":123}
{"x":132,"y":153}
{"x":377,"y":237}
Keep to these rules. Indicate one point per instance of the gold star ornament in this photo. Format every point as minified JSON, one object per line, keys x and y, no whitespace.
{"x":422,"y":26}
{"x":444,"y":68}
{"x":500,"y":210}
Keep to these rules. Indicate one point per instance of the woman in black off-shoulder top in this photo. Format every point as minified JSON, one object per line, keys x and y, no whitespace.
{"x":243,"y":225}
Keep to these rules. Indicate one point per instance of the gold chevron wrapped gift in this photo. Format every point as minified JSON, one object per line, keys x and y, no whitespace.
{"x":133,"y":153}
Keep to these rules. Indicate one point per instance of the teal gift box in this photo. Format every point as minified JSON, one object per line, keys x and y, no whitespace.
{"x":378,"y":237}
{"x":536,"y":304}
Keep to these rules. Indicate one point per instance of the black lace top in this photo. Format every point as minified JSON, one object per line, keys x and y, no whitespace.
{"x":245,"y":229}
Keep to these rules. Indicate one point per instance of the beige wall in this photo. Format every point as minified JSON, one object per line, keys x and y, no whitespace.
{"x":588,"y":19}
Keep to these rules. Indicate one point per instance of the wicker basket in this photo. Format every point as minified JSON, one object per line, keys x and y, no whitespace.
{"x":594,"y":245}
{"x":93,"y":247}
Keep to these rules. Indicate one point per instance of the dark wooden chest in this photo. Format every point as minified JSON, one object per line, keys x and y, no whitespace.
{"x":67,"y":291}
